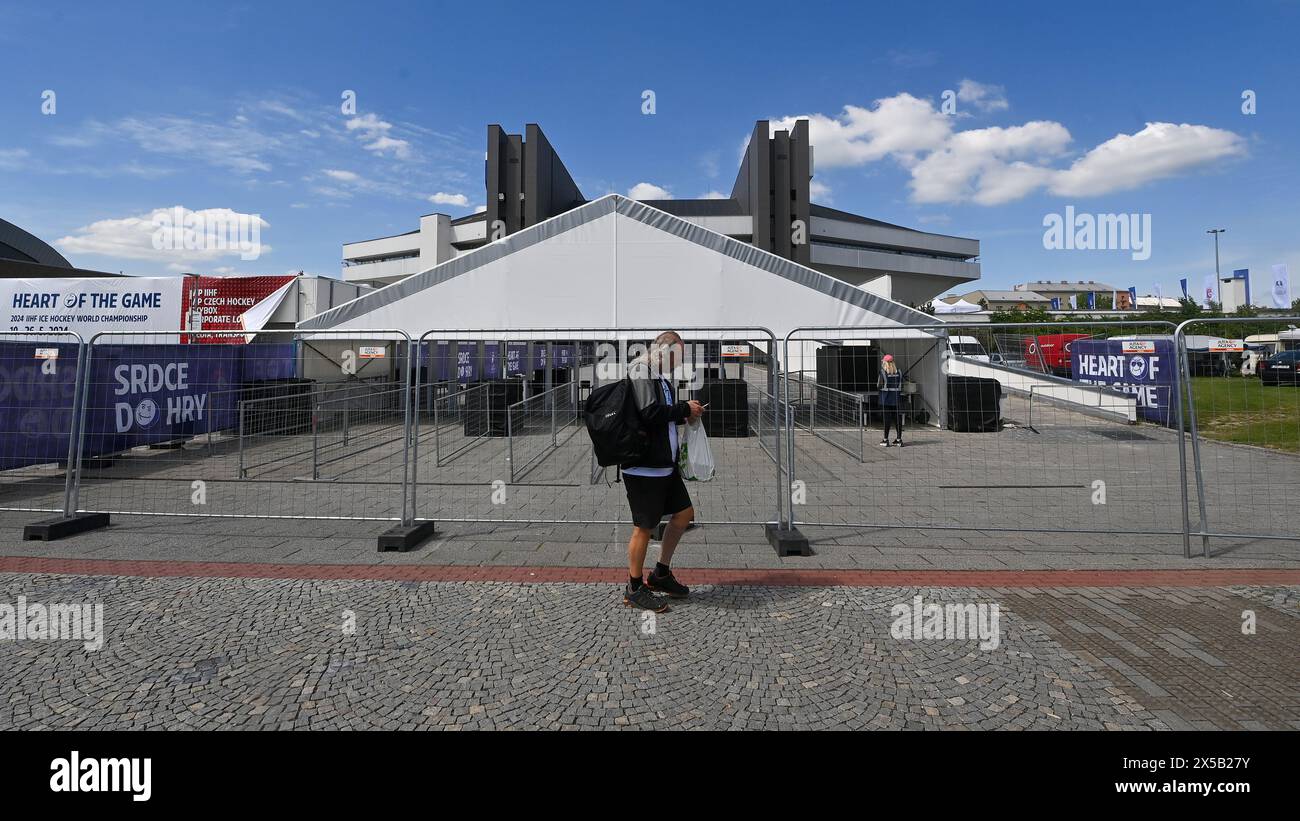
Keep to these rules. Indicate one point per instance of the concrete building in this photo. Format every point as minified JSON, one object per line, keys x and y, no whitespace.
{"x":769,"y":207}
{"x":992,"y":300}
{"x":1064,"y":289}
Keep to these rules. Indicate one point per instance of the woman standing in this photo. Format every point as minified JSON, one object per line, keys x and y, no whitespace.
{"x":890,"y":385}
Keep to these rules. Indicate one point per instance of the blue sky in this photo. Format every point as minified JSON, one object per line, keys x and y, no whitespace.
{"x":1112,"y":108}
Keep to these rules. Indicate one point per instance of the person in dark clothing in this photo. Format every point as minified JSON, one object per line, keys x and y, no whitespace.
{"x":890,"y":385}
{"x":654,"y":483}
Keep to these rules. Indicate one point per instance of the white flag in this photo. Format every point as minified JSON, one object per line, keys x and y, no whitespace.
{"x":1281,"y":287}
{"x":1210,"y":289}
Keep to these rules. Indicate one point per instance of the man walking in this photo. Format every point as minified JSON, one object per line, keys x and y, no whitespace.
{"x":654,"y":483}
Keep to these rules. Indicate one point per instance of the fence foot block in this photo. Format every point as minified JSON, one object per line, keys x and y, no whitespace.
{"x":406,"y":537}
{"x":47,"y":530}
{"x":787,"y":542}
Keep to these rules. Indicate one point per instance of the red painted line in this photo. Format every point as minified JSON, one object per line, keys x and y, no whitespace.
{"x":715,"y":576}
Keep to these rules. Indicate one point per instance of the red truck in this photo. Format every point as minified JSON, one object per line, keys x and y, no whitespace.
{"x":1049,"y":353}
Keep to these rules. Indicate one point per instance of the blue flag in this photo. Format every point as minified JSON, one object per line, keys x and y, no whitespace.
{"x":1056,"y":303}
{"x":1092,"y":301}
{"x":1183,"y":282}
{"x":1133,"y":297}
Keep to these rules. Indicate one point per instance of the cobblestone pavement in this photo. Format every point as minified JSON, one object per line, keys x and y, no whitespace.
{"x":212,"y":653}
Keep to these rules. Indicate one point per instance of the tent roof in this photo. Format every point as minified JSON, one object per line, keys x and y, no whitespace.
{"x":616,"y":262}
{"x":961,"y":306}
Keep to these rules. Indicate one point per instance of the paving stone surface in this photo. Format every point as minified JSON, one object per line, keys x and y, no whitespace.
{"x":285,"y":653}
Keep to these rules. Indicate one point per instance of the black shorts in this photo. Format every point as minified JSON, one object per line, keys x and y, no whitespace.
{"x":653,"y":497}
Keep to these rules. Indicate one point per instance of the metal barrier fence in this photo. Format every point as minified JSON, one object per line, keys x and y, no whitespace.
{"x":266,"y":420}
{"x":973,"y":459}
{"x":40,"y":380}
{"x":1119,"y":431}
{"x":1242,"y":388}
{"x":452,"y":408}
{"x":765,"y":420}
{"x":539,"y":425}
{"x":838,"y":418}
{"x":344,"y":428}
{"x":511,"y":468}
{"x":177,"y":428}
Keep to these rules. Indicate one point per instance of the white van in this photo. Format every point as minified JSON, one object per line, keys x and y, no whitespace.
{"x":1267,"y":344}
{"x":968,"y":347}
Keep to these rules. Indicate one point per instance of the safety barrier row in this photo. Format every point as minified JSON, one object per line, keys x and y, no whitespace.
{"x":1122,"y":432}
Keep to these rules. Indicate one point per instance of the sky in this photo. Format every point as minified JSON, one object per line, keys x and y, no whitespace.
{"x":956,"y":118}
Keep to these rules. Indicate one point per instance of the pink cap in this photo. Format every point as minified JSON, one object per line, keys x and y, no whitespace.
{"x":889,"y":357}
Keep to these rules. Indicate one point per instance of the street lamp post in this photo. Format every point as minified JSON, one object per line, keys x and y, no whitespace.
{"x":1218,"y":284}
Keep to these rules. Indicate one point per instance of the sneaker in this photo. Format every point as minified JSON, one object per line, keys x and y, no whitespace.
{"x":642,"y":598}
{"x":898,"y":442}
{"x":884,"y":443}
{"x":667,"y":584}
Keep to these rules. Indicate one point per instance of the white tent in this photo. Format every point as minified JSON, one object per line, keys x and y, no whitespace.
{"x":961,"y":306}
{"x":615,"y":263}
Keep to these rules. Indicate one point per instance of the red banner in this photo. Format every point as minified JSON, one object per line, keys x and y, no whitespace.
{"x":216,"y":303}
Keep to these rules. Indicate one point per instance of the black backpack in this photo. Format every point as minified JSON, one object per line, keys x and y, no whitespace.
{"x":614,"y":424}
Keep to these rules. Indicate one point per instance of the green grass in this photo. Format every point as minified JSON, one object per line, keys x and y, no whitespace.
{"x":1242,"y":410}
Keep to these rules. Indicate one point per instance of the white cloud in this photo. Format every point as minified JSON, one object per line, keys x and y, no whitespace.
{"x":443,"y":198}
{"x":342,"y":176}
{"x":992,"y":166}
{"x":12,"y":158}
{"x":975,"y":164}
{"x":400,"y":148}
{"x":375,"y":130}
{"x":1160,"y":150}
{"x":283,"y":109}
{"x":176,"y":235}
{"x":819,"y":190}
{"x":239,"y":148}
{"x":332,"y":191}
{"x":648,"y":191}
{"x":714,"y":195}
{"x":900,"y":126}
{"x":709,"y":164}
{"x":984,"y":97}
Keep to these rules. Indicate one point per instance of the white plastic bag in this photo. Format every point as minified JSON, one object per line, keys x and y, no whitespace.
{"x":696,"y":458}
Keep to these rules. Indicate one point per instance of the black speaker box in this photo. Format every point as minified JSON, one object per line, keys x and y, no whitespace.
{"x":728,"y":413}
{"x":852,"y":368}
{"x":974,"y":404}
